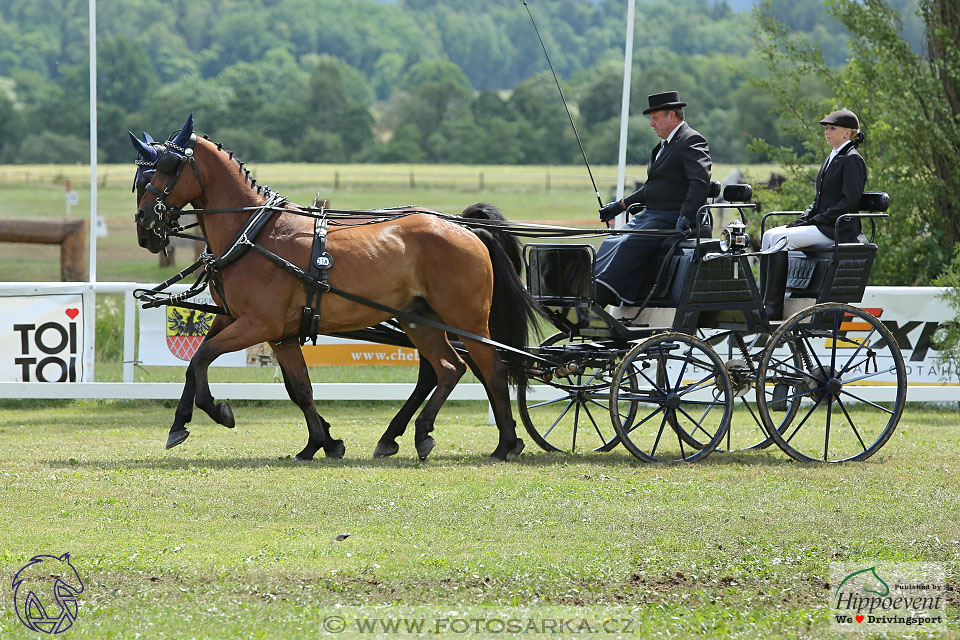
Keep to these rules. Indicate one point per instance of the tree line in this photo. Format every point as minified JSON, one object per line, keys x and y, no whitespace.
{"x":362,"y":81}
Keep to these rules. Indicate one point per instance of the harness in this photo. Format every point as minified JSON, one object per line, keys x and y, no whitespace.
{"x":171,"y":159}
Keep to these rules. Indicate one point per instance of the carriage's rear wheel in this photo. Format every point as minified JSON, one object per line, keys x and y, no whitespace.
{"x":678,"y":391}
{"x":741,"y":353}
{"x":844,"y":353}
{"x":569,"y":413}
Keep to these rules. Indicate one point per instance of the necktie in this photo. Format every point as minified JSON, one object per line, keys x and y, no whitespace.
{"x":663,"y":149}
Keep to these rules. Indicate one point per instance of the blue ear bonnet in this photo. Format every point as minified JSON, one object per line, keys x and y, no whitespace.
{"x":166,"y":158}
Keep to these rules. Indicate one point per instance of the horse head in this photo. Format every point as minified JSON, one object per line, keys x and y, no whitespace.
{"x":44,"y":581}
{"x":161,"y":193}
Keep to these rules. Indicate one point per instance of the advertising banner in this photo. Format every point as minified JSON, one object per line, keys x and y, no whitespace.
{"x":41,"y":338}
{"x":169,"y":336}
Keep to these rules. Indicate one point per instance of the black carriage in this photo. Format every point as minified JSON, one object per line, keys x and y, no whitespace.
{"x":665,"y":376}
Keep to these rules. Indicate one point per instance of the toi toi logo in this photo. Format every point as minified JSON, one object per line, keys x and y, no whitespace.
{"x":58,"y":341}
{"x":45,"y":594}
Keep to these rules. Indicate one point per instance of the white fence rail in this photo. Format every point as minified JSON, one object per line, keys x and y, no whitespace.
{"x":913,"y":313}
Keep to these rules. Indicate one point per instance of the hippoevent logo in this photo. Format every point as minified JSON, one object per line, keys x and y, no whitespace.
{"x":45,"y":594}
{"x":887,"y":597}
{"x":186,"y":329}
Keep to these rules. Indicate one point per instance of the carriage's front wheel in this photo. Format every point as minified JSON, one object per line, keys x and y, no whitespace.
{"x":677,"y":390}
{"x":844,"y":353}
{"x":569,"y":413}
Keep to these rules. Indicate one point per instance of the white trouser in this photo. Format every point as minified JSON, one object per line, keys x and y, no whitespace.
{"x":797,"y":237}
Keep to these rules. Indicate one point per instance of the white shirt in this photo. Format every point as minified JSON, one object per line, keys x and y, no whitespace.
{"x":667,"y":140}
{"x":833,"y":154}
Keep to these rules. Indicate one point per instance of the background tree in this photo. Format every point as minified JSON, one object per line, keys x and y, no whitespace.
{"x":904,"y":102}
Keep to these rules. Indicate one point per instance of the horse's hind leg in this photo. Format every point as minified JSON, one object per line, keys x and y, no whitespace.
{"x":448,"y":367}
{"x":297,"y":381}
{"x":493,"y":373}
{"x":426,"y":382}
{"x":184,"y":414}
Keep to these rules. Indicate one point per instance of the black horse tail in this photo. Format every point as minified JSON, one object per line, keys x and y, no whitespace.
{"x":514,"y":314}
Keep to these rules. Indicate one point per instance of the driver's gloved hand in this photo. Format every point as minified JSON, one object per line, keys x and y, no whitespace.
{"x":610,"y":211}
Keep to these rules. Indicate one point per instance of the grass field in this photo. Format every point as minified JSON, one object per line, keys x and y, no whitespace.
{"x":226,"y":537}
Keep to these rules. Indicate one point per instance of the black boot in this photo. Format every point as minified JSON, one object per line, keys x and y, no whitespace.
{"x":773,"y":283}
{"x":604,"y":296}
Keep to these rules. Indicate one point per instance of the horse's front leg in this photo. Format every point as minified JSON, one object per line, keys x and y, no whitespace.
{"x":178,"y":431}
{"x":240,"y":334}
{"x":296,"y":379}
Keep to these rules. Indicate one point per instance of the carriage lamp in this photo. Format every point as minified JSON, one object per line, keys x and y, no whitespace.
{"x":734,"y":236}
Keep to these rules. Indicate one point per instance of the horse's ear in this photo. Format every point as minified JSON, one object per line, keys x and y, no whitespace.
{"x":147,"y":138}
{"x":146,"y":151}
{"x":183,"y":137}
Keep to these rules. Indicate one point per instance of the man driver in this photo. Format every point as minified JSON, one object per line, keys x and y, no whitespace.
{"x":678,"y":181}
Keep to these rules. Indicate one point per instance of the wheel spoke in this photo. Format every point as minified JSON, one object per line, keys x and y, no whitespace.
{"x":806,"y":341}
{"x":869,"y":375}
{"x":850,"y":422}
{"x":872,"y":404}
{"x":596,"y":427}
{"x":576,"y":425}
{"x":676,"y":428}
{"x":699,"y":426}
{"x":809,"y":413}
{"x":873,"y":330}
{"x":699,"y":384}
{"x":683,"y":368}
{"x":631,"y":429}
{"x":800,"y":371}
{"x":833,"y":348}
{"x":656,"y":442}
{"x":559,"y":418}
{"x":753,"y":415}
{"x":546,"y":402}
{"x":826,"y":438}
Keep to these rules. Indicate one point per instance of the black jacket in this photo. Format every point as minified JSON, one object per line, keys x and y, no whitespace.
{"x":680,"y":179}
{"x":839,"y":188}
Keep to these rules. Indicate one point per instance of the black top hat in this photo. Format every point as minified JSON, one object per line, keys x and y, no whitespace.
{"x":662,"y":101}
{"x":843,"y":118}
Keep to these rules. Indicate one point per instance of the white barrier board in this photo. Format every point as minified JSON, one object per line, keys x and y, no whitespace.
{"x":41,"y":338}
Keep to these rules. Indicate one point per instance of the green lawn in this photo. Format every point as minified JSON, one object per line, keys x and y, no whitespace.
{"x":226,"y":537}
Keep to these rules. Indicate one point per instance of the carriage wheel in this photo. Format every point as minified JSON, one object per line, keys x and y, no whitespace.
{"x":843,"y":351}
{"x":747,"y":431}
{"x":678,"y":390}
{"x":573,"y":416}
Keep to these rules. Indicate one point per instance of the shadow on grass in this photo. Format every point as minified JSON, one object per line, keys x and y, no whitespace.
{"x":534,"y":459}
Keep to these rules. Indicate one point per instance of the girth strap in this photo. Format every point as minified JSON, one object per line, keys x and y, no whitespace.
{"x":320,"y":261}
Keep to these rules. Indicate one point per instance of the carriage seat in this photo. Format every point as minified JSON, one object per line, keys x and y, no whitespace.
{"x":837,"y":272}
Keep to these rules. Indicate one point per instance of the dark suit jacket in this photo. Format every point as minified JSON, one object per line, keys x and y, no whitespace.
{"x":839,"y":188}
{"x":679,"y":180}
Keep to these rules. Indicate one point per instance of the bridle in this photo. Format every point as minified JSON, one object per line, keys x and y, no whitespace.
{"x":171,"y":159}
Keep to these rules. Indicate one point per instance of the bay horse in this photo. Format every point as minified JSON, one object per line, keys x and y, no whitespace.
{"x":416,"y":262}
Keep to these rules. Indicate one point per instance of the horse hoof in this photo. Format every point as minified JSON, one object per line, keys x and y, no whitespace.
{"x":501,"y":454}
{"x":386,"y":449}
{"x":424,"y":448}
{"x":303,"y":457}
{"x":176,"y":437}
{"x":226,"y":415}
{"x":335,"y":449}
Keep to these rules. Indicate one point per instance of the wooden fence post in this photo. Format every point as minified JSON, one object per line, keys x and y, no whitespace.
{"x":70,"y":234}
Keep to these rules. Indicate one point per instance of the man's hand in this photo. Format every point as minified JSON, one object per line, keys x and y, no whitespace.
{"x":801,"y":220}
{"x":683,"y":226}
{"x":610,"y":211}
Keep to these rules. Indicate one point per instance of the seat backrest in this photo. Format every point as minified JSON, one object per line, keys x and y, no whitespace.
{"x":737,"y":193}
{"x":874,"y":202}
{"x":560,"y":273}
